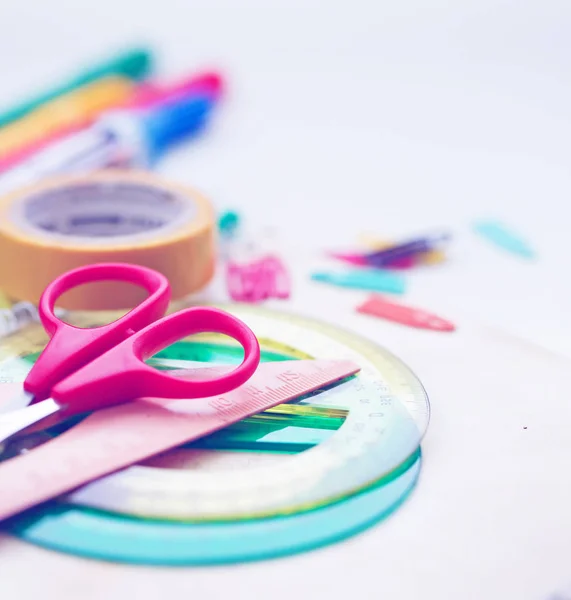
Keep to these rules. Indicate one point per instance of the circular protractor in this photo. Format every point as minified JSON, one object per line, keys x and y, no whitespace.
{"x":383,"y":413}
{"x":95,"y":534}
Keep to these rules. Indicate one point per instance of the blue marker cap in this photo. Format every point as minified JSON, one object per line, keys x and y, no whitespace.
{"x":173,"y":121}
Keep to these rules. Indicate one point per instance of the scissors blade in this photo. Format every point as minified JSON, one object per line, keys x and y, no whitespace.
{"x":18,"y":420}
{"x":18,"y":401}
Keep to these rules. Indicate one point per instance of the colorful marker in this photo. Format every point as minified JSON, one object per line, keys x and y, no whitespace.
{"x":134,"y":64}
{"x":122,"y":139}
{"x":385,"y":257}
{"x":361,"y":260}
{"x":78,"y":110}
{"x":401,"y":256}
{"x":427,"y":258}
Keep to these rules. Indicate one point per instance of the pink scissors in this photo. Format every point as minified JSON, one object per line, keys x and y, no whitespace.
{"x":85,"y":369}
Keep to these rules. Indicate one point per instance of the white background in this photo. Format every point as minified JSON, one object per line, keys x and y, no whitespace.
{"x":395,"y":118}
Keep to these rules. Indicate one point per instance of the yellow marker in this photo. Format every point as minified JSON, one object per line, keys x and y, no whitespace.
{"x":72,"y":111}
{"x":374,"y":243}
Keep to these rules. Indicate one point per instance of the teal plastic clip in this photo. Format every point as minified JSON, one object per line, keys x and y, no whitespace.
{"x":375,"y":280}
{"x":501,"y":236}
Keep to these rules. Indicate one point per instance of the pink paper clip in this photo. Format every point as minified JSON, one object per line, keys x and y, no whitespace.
{"x":254,"y":272}
{"x":258,"y":280}
{"x":278,"y":276}
{"x":246,"y":283}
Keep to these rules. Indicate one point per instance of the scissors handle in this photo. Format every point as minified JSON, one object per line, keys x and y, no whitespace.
{"x":70,"y":348}
{"x":120,"y":374}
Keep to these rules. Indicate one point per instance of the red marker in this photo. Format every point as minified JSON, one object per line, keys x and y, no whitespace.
{"x":377,"y":306}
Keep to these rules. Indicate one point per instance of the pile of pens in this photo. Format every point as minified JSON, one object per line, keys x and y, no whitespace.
{"x":114,"y":114}
{"x":379,"y":267}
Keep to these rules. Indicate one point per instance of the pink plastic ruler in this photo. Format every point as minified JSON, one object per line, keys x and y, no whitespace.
{"x":114,"y":438}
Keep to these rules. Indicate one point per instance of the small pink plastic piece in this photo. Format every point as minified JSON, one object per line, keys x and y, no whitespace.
{"x":378,"y":306}
{"x":246,"y":283}
{"x":280,"y":284}
{"x":258,"y":280}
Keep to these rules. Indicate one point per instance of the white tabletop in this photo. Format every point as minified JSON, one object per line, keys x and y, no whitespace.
{"x":396,"y":119}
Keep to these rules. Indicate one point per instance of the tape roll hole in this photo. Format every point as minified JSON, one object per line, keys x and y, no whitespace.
{"x":101,"y":211}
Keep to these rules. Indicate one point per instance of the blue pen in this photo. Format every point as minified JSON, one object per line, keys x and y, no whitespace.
{"x":374,"y":280}
{"x":389,"y":255}
{"x":124,"y":139}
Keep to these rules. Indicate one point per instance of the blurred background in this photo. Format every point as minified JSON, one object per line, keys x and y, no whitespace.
{"x":394,"y":118}
{"x":343,"y":117}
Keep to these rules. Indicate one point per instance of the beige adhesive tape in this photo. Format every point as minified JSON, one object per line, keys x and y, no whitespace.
{"x":111,"y":216}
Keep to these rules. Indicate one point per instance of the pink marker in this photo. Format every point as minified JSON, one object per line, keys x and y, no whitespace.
{"x":210,"y":84}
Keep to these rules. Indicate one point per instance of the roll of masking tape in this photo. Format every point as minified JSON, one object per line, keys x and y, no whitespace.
{"x":111,"y":216}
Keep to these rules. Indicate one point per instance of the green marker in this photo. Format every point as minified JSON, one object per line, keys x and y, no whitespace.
{"x":134,"y":64}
